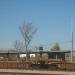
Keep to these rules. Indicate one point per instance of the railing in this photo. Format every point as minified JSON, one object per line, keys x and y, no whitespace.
{"x":14,"y":65}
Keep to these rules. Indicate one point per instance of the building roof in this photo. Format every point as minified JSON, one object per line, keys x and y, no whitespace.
{"x":16,"y":51}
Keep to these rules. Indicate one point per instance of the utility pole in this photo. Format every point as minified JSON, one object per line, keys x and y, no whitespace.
{"x":72,"y":49}
{"x":71,"y":39}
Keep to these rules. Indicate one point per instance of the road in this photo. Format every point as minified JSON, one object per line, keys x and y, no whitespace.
{"x":45,"y":72}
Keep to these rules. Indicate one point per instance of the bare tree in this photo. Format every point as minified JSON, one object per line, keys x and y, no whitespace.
{"x":56,"y":47}
{"x":27,"y":30}
{"x":18,"y":46}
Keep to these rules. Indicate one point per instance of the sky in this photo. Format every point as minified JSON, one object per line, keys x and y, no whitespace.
{"x":54,"y":20}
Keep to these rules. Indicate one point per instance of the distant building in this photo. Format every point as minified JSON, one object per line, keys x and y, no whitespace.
{"x":52,"y":55}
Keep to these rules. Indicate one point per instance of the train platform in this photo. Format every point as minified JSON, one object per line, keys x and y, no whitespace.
{"x":35,"y":72}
